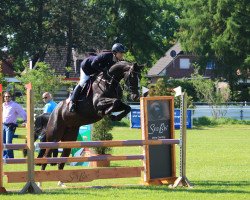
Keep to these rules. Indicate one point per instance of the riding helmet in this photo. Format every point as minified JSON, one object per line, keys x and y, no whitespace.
{"x":118,"y":47}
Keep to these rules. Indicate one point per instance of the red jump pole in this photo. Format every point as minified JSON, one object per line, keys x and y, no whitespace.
{"x":2,"y":188}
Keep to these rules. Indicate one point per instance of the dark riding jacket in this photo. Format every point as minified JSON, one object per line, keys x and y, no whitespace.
{"x":96,"y":64}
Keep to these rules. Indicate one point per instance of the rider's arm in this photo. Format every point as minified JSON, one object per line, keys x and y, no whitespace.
{"x":102,"y":61}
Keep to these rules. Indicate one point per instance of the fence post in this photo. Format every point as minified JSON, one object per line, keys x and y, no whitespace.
{"x":2,"y":188}
{"x":182,"y":180}
{"x":30,"y":186}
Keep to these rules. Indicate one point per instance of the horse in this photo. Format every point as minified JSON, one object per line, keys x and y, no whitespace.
{"x":101,"y":98}
{"x":40,"y":125}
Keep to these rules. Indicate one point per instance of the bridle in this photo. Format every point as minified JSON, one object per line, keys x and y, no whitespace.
{"x":127,"y":86}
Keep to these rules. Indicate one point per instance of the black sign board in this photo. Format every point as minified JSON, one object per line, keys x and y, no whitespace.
{"x":158,"y":123}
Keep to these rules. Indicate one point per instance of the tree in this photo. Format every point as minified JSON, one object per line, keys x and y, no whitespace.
{"x":165,"y":86}
{"x":2,"y":79}
{"x":146,"y":27}
{"x":209,"y":92}
{"x":218,"y":30}
{"x":29,"y":27}
{"x":43,"y":79}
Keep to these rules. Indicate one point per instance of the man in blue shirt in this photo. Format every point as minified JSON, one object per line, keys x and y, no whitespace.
{"x":50,"y":104}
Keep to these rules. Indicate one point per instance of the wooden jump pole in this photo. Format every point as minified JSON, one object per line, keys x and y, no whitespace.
{"x":113,"y":143}
{"x":183,"y":180}
{"x":75,"y":159}
{"x":30,"y":186}
{"x":2,"y":188}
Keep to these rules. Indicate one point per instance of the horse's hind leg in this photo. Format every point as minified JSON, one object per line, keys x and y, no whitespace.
{"x":47,"y":153}
{"x":71,"y":135}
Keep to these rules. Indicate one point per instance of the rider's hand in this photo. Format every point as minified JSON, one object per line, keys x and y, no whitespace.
{"x":105,"y":75}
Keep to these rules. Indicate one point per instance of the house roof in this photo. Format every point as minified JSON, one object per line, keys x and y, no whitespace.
{"x":164,"y":61}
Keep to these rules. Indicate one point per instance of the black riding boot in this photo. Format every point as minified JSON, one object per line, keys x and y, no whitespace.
{"x":74,"y":97}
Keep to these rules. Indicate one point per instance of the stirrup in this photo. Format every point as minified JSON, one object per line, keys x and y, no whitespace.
{"x":72,"y":107}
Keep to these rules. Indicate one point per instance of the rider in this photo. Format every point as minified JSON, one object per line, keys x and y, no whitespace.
{"x":95,"y":64}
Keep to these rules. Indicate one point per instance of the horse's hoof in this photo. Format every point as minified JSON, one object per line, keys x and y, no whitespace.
{"x":61,"y":184}
{"x":39,"y":184}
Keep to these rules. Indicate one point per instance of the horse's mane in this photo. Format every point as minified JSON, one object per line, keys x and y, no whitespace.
{"x":120,"y":64}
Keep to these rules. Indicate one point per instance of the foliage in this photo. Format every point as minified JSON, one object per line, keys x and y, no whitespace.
{"x":208,"y":92}
{"x":218,"y":31}
{"x":208,"y":121}
{"x":101,"y":132}
{"x":165,"y":86}
{"x":42,"y":78}
{"x":146,"y":33}
{"x":125,"y":122}
{"x":91,"y":24}
{"x":2,"y":79}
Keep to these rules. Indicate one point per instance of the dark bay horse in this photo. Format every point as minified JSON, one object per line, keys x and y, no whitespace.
{"x":105,"y":97}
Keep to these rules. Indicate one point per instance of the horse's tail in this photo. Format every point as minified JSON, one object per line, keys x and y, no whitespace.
{"x":25,"y":150}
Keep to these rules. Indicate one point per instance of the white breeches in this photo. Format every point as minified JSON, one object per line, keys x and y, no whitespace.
{"x":83,"y":78}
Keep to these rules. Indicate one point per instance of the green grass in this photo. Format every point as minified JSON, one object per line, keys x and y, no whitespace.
{"x":217,"y":164}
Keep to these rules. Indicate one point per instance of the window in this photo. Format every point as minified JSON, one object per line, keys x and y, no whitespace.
{"x":210,"y":65}
{"x":184,"y":63}
{"x":78,"y":64}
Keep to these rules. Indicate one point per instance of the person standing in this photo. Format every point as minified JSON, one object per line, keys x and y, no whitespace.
{"x":11,"y":111}
{"x":50,"y":105}
{"x":93,"y":65}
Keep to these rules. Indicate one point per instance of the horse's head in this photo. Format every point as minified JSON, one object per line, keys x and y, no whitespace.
{"x":132,"y":81}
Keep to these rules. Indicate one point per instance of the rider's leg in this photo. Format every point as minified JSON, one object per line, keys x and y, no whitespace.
{"x":77,"y":91}
{"x":74,"y":97}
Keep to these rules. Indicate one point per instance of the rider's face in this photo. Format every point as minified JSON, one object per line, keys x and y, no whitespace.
{"x":119,"y":55}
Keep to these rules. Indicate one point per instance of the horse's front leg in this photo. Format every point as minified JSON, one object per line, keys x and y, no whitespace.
{"x":120,"y":107}
{"x":108,"y":105}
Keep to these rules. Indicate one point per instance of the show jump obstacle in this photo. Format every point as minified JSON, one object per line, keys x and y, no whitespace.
{"x":157,"y":118}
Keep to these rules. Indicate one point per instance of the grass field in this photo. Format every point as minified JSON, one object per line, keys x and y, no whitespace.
{"x":218,"y":164}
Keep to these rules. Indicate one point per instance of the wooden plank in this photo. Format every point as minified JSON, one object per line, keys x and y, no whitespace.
{"x":74,"y":159}
{"x":78,"y":175}
{"x":2,"y":189}
{"x":144,"y":130}
{"x":30,"y":137}
{"x":173,"y":136}
{"x":113,"y":143}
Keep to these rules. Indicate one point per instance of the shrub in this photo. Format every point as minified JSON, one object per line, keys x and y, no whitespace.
{"x":210,"y":121}
{"x":101,"y":132}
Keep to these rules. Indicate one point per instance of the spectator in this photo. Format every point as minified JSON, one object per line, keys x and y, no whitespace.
{"x":49,"y":103}
{"x":11,"y":110}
